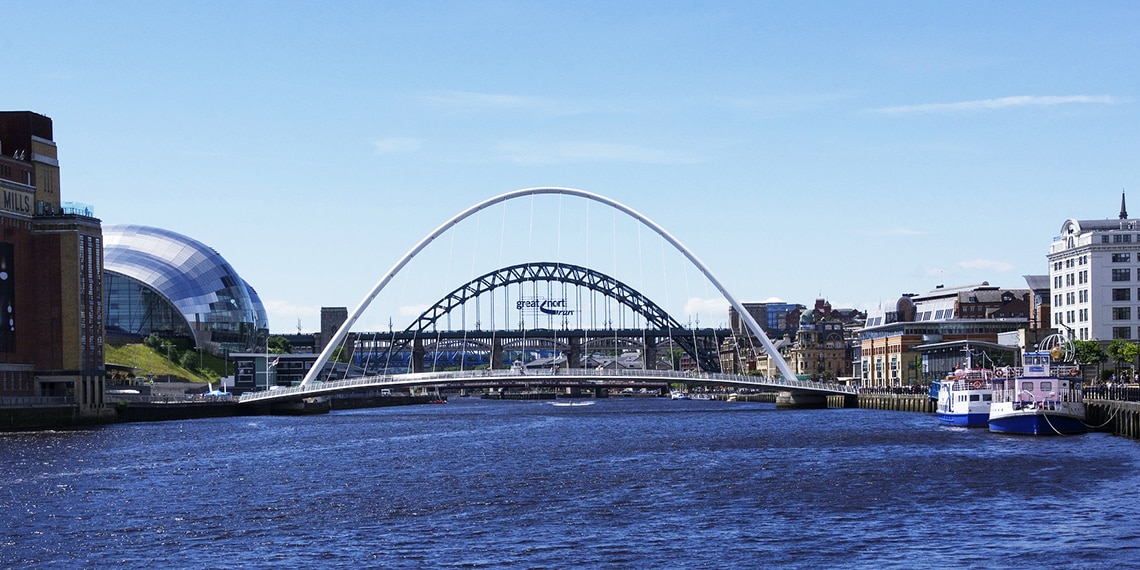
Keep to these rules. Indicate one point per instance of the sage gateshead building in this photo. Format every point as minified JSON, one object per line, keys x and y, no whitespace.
{"x":160,"y":282}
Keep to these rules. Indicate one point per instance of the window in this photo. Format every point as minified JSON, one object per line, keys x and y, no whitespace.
{"x":1121,"y":333}
{"x":1121,"y":257}
{"x":1057,"y":282}
{"x":1121,"y":274}
{"x":1121,"y":294}
{"x":1104,"y":239}
{"x":1046,"y":385}
{"x":1121,"y":313}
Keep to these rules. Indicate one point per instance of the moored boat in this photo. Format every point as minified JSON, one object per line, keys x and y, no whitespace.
{"x":964,"y":397}
{"x":1039,"y":398}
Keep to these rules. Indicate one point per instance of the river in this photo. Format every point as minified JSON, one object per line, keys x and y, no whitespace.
{"x":624,"y":483}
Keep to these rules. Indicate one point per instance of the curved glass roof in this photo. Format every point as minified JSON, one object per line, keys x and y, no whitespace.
{"x":193,"y":277}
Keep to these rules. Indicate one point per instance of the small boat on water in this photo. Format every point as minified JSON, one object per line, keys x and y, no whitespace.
{"x":678,"y":395}
{"x":965,"y":400}
{"x":965,"y":395}
{"x":572,"y":404}
{"x":1039,"y":398}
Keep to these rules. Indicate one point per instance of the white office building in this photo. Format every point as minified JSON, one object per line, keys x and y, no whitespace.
{"x":1094,"y":273}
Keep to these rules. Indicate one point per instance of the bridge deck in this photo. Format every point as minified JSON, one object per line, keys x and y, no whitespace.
{"x":483,"y":377}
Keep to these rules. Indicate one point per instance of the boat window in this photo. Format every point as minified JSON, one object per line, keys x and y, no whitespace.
{"x":1027,"y":386}
{"x":987,"y":397}
{"x":975,"y":397}
{"x":1046,"y":385}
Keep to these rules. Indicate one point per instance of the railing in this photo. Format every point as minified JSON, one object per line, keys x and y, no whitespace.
{"x":34,"y":401}
{"x":167,"y":398}
{"x":319,"y":387}
{"x":1129,"y":393}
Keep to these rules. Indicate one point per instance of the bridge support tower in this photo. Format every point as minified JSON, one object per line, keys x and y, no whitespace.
{"x":649,"y":356}
{"x":496,"y":353}
{"x":418,"y":355}
{"x":575,"y":356}
{"x":801,"y":400}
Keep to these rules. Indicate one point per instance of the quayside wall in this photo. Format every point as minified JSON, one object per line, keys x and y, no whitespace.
{"x":893,"y":402}
{"x":1120,"y":418}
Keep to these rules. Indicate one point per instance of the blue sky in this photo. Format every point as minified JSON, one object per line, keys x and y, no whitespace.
{"x":853,"y":151}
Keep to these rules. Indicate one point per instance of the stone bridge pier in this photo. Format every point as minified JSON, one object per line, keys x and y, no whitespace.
{"x":801,"y":400}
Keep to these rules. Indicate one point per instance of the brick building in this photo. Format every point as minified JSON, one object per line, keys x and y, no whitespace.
{"x":51,"y":277}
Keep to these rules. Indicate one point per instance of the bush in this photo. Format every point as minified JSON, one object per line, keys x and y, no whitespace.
{"x":189,"y":360}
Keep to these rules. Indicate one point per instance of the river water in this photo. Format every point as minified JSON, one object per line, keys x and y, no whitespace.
{"x":624,"y":483}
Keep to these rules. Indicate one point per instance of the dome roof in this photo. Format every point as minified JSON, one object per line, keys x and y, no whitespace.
{"x":193,"y":277}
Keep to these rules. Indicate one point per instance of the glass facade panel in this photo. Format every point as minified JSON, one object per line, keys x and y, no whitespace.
{"x":159,"y":281}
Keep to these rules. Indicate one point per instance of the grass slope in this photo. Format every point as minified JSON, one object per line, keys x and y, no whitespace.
{"x":148,"y":361}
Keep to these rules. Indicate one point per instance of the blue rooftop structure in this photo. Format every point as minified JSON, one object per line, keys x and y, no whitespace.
{"x":160,"y":282}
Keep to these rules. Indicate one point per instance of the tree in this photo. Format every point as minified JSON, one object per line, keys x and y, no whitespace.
{"x":189,"y":360}
{"x":280,"y":345}
{"x":1122,"y":351}
{"x":1089,"y":352}
{"x":153,"y":341}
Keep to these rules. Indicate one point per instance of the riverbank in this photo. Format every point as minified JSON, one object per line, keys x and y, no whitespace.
{"x":34,"y":418}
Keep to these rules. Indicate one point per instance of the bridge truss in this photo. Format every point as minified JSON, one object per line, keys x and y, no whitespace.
{"x":341,"y":333}
{"x":659,"y":325}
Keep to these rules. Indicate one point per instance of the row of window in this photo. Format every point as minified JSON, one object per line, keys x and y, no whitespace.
{"x":1071,"y":279}
{"x":1078,"y":316}
{"x":1074,"y":297}
{"x":1070,"y":263}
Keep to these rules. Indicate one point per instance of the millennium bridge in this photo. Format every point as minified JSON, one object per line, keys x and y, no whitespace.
{"x":793,"y":393}
{"x":316,"y":383}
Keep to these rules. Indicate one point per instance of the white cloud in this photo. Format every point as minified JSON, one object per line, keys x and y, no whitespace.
{"x":709,"y":311}
{"x":986,"y":265}
{"x":574,"y":152}
{"x":284,"y":316}
{"x":1001,"y":103}
{"x":893,"y":232}
{"x":467,"y":100}
{"x":396,"y":144}
{"x":412,"y":310}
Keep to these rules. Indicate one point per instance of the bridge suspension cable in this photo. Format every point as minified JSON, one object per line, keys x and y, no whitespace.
{"x":344,"y":329}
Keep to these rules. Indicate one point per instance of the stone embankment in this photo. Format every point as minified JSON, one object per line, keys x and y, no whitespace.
{"x":1117,"y":417}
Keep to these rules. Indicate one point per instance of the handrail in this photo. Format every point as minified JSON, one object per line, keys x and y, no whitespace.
{"x":426,"y":378}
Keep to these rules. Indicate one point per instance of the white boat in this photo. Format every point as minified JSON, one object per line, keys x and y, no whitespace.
{"x":965,"y":395}
{"x":965,"y":401}
{"x":1040,"y":398}
{"x":678,"y":395}
{"x":572,"y":404}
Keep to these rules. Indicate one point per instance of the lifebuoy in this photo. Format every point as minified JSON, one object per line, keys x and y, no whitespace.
{"x":977,"y":384}
{"x":1000,"y":372}
{"x":1074,"y":371}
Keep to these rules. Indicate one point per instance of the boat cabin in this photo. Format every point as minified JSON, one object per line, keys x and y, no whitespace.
{"x":1038,"y":382}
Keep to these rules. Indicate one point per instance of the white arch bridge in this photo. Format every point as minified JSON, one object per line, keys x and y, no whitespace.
{"x":793,"y":393}
{"x":786,"y":381}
